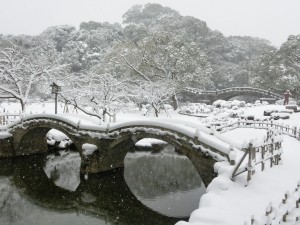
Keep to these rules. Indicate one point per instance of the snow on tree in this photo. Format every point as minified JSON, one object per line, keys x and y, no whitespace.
{"x":291,"y":52}
{"x":21,"y":69}
{"x":59,"y":35}
{"x":88,"y":46}
{"x":147,"y":14}
{"x":162,"y":57}
{"x":97,"y":93}
{"x":156,"y":94}
{"x":279,"y":69}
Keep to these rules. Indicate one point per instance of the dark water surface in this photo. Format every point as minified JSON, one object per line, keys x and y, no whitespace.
{"x":160,"y":188}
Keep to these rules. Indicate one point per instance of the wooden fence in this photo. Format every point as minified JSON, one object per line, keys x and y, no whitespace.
{"x":270,"y":151}
{"x":8,"y":117}
{"x":291,"y":131}
{"x":287,"y":212}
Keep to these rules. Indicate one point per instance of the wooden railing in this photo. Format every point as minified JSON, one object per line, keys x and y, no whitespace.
{"x":258,"y":155}
{"x":269,"y":150}
{"x":291,"y":131}
{"x":8,"y":117}
{"x":287,"y":212}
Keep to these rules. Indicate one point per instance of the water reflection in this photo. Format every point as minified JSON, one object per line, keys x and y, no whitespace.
{"x":166,"y":182}
{"x":64,"y":169}
{"x":161,"y":183}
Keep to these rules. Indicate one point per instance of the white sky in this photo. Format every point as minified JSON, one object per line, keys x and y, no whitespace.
{"x":274,"y":20}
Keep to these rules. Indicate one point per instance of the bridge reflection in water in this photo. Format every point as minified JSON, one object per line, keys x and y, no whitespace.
{"x":167,"y":183}
{"x":27,"y":196}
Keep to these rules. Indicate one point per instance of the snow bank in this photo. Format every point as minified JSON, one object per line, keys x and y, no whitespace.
{"x":5,"y":134}
{"x":56,"y":135}
{"x":232,"y":203}
{"x":88,"y":149}
{"x":148,"y":142}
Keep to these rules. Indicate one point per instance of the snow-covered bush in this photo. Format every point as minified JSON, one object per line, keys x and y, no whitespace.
{"x":220,"y":103}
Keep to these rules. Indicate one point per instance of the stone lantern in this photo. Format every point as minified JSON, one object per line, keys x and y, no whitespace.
{"x":56,"y":89}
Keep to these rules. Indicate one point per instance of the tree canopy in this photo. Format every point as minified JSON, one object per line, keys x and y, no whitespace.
{"x":154,"y":45}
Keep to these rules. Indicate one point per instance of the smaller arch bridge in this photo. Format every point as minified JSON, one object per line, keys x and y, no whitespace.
{"x":228,"y":93}
{"x":28,"y":136}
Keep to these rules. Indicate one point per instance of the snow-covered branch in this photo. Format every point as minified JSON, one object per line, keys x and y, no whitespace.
{"x":98,"y":94}
{"x":21,"y":69}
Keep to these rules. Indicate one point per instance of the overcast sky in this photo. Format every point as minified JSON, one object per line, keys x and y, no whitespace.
{"x":274,"y":20}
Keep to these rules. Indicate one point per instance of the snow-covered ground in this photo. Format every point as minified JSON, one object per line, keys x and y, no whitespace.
{"x":230,"y":202}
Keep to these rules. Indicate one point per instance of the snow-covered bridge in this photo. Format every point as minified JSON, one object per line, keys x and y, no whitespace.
{"x":103,"y":147}
{"x":228,"y":93}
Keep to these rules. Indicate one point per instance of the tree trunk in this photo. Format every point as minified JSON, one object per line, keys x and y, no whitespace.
{"x":140,"y":106}
{"x":23,"y":106}
{"x":155,"y":110}
{"x":174,"y":102}
{"x":103,"y":114}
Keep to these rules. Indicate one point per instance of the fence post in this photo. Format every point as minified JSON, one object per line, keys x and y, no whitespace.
{"x":269,"y":209}
{"x":285,"y":198}
{"x":298,"y":190}
{"x":284,"y":201}
{"x":232,"y":156}
{"x":251,"y":157}
{"x":249,"y":165}
{"x":252,"y":219}
{"x":284,"y":216}
{"x":271,"y":150}
{"x":263,"y":158}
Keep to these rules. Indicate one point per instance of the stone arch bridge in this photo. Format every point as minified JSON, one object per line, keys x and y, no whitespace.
{"x":28,"y":136}
{"x":228,"y":93}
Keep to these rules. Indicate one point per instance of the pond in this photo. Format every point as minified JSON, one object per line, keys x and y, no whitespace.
{"x":152,"y":188}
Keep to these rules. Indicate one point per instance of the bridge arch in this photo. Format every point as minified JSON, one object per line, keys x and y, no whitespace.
{"x":228,"y":93}
{"x":30,"y":138}
{"x":202,"y":162}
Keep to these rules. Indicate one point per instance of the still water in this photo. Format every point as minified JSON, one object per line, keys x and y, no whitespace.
{"x":160,"y":188}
